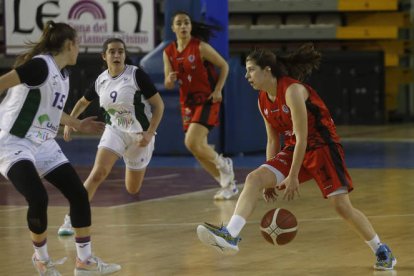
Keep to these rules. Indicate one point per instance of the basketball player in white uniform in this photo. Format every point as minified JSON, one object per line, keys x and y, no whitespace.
{"x":133,"y":110}
{"x":30,"y":115}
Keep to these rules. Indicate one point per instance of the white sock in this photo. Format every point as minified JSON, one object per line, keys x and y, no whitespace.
{"x":41,"y":251}
{"x":374,"y":244}
{"x":235,"y":225}
{"x":83,"y":248}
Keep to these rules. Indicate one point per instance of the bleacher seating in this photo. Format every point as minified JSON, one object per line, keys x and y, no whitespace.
{"x":240,"y":21}
{"x":297,"y":21}
{"x":267,"y":21}
{"x":328,"y":20}
{"x":355,"y":25}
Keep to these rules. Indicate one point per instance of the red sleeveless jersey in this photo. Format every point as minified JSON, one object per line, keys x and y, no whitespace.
{"x":197,"y":79}
{"x":321,"y":128}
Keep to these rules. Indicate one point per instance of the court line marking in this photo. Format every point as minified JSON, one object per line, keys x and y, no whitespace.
{"x":14,"y":208}
{"x":146,"y":178}
{"x":165,"y":198}
{"x":159,"y":177}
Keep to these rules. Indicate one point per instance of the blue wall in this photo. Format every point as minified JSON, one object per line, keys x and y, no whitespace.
{"x":244,"y":130}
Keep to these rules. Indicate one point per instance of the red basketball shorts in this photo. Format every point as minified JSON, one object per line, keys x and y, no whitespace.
{"x":325,"y":165}
{"x":206,"y":114}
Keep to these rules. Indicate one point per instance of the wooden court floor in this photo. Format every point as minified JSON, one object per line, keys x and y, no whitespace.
{"x":157,"y":236}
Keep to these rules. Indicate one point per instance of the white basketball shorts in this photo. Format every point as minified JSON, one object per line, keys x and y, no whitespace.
{"x":45,"y":156}
{"x":126,"y":145}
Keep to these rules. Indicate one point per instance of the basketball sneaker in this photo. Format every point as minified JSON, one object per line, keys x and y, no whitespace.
{"x":94,"y":266}
{"x":47,"y":268}
{"x":219,"y":238}
{"x":227,"y":192}
{"x":66,"y":228}
{"x":385,"y":259}
{"x":226,"y":171}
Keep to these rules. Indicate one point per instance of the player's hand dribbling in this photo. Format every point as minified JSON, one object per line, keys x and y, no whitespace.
{"x":292,"y":187}
{"x":270,"y":195}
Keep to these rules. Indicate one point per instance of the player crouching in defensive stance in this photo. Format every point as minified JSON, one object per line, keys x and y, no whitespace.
{"x":312,"y":150}
{"x":30,"y":114}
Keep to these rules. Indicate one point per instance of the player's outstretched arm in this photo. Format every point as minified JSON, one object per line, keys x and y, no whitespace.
{"x":79,"y":107}
{"x":88,"y":125}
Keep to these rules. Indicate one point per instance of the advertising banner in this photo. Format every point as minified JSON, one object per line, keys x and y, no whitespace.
{"x":95,"y":21}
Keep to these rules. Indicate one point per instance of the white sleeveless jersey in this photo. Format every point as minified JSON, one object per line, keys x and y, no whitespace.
{"x":125,"y":107}
{"x":35,"y":112}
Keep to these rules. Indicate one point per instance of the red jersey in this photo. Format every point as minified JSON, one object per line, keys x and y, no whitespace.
{"x":321,"y":128}
{"x":197,"y":79}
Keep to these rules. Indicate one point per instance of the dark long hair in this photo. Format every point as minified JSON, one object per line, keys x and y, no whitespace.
{"x":297,"y":64}
{"x":199,"y":30}
{"x":52,"y":41}
{"x":112,"y":40}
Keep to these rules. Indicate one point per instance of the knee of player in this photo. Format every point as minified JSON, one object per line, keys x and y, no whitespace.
{"x":77,"y":196}
{"x":343,"y":208}
{"x":191,"y":145}
{"x":38,"y":201}
{"x":134,"y":188}
{"x":99,"y":174}
{"x":82,"y":195}
{"x":197,"y":150}
{"x":254,"y":180}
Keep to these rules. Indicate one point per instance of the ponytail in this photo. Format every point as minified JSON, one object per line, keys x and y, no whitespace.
{"x":199,"y":30}
{"x":52,"y":41}
{"x":297,"y":64}
{"x":203,"y":31}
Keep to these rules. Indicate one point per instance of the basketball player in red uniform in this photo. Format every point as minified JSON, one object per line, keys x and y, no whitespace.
{"x":191,"y":62}
{"x":312,"y":150}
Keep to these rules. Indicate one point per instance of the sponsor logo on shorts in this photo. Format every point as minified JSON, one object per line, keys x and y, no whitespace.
{"x":52,"y":160}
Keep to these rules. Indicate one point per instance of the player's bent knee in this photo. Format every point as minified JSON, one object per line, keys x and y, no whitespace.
{"x":343,"y":209}
{"x":134,"y":189}
{"x":38,"y":201}
{"x":82,"y":195}
{"x":99,"y":175}
{"x":76,"y":194}
{"x":254,"y":181}
{"x":192,"y":146}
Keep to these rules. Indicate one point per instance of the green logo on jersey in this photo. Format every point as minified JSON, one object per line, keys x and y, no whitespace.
{"x":43,"y":118}
{"x":112,"y":111}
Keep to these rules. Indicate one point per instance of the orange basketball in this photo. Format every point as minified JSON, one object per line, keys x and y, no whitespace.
{"x":279,"y":226}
